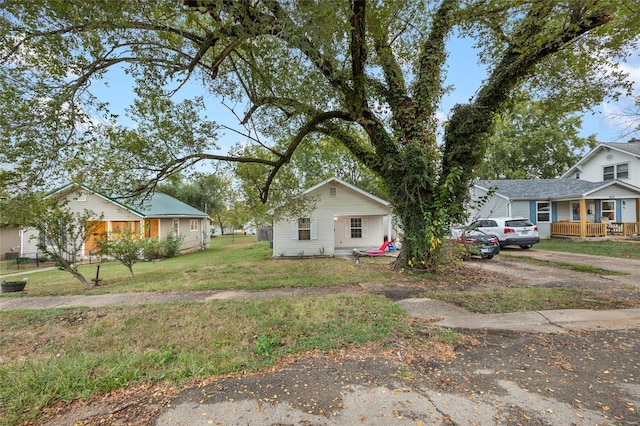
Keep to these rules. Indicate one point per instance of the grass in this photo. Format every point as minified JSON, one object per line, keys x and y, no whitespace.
{"x":587,"y":269}
{"x":66,"y":354}
{"x":236,"y":262}
{"x":520,"y":299}
{"x":47,"y":356}
{"x":620,"y":249}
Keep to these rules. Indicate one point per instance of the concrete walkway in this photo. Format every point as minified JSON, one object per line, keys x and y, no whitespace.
{"x":549,"y":321}
{"x":449,"y":316}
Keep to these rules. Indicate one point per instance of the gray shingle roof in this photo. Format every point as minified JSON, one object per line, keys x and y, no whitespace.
{"x":544,"y":189}
{"x":632,"y":147}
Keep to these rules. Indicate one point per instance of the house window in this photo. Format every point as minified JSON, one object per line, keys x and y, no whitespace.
{"x":622,"y":171}
{"x":608,"y":209}
{"x":333,"y":191}
{"x":304,"y":228}
{"x":543,"y":211}
{"x":608,"y":173}
{"x":356,"y":227}
{"x":619,"y":171}
{"x":193,"y":225}
{"x":175,"y":229}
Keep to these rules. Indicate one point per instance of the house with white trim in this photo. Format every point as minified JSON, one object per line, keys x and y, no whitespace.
{"x":605,"y":183}
{"x":345,"y":217}
{"x":158,"y":217}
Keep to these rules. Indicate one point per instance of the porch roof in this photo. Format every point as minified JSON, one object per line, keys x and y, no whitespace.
{"x":549,"y":189}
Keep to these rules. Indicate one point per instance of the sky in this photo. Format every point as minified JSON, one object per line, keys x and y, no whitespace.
{"x":463,"y":73}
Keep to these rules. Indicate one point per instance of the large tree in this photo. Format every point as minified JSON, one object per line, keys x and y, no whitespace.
{"x":367,"y":74}
{"x":534,"y":140}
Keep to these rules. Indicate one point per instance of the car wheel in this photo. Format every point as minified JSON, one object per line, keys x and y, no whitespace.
{"x":525,"y":246}
{"x":487,"y":256}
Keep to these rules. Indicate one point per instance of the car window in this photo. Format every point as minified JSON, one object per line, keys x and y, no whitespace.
{"x":517,"y":223}
{"x":490,"y":224}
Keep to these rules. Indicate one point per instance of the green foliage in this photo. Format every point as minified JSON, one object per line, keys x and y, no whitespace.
{"x":170,"y":246}
{"x":158,"y":248}
{"x":125,"y":246}
{"x":62,"y":234}
{"x":304,"y":72}
{"x":534,"y":140}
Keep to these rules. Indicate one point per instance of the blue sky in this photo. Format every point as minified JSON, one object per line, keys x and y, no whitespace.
{"x":464,"y":74}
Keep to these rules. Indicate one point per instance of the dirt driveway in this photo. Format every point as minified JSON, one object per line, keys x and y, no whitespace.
{"x":509,"y":264}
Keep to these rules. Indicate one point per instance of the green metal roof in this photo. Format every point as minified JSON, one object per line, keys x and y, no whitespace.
{"x":162,"y":205}
{"x":159,"y":205}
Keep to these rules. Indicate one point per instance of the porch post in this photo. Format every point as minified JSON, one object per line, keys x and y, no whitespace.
{"x":583,"y":218}
{"x":390,"y":227}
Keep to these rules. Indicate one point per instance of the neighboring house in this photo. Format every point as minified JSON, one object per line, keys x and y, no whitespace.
{"x":560,"y":206}
{"x":160,"y":216}
{"x":608,"y":161}
{"x":9,"y":242}
{"x":605,"y":183}
{"x":345,"y":217}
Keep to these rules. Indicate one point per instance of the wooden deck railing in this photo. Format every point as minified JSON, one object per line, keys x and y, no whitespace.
{"x":572,"y":229}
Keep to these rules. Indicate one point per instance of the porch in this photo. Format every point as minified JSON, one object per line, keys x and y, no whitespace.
{"x":589,"y":229}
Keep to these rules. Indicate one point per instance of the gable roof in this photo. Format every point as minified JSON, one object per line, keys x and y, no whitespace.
{"x":159,"y":205}
{"x":71,"y":186}
{"x":350,"y":186}
{"x":632,"y":147}
{"x":549,"y":189}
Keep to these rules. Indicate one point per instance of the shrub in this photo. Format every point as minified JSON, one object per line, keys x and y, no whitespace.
{"x":170,"y":246}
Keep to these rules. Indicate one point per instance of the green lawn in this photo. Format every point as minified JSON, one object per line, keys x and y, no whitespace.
{"x":627,"y":249}
{"x":232,"y":262}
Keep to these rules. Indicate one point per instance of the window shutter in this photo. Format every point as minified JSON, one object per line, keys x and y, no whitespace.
{"x":347,"y":228}
{"x":365,"y":228}
{"x":294,"y":229}
{"x":314,"y":229}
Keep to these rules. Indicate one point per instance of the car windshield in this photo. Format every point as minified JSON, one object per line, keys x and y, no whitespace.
{"x":517,"y":223}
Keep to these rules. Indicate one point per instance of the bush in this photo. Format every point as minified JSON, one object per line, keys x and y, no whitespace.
{"x":151,"y":249}
{"x":155,"y":248}
{"x":170,"y":246}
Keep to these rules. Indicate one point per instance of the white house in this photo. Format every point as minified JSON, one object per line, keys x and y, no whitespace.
{"x":608,"y":161}
{"x":558,"y":201}
{"x":604,"y":183}
{"x":345,"y":217}
{"x":160,"y":216}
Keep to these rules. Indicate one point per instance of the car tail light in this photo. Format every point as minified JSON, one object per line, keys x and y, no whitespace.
{"x":509,"y":231}
{"x":535,"y":229}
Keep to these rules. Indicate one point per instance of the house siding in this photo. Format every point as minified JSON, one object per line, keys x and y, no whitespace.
{"x":9,"y":240}
{"x":494,"y":207}
{"x":336,"y":204}
{"x":284,"y":245}
{"x":592,"y":170}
